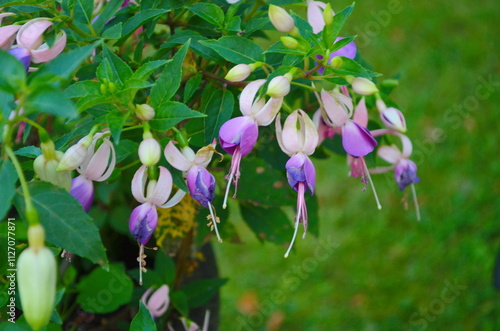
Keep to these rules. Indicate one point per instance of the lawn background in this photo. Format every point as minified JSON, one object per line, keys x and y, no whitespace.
{"x":385,"y":266}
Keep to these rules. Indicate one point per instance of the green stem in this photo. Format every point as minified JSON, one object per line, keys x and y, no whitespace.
{"x":252,"y":11}
{"x":305,"y":86}
{"x":287,"y":107}
{"x":31,"y":213}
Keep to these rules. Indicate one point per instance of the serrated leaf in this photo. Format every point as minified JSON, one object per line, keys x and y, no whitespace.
{"x":137,"y":20}
{"x":268,"y":224}
{"x":218,"y":110}
{"x":210,"y":12}
{"x":170,"y":79}
{"x":65,"y":222}
{"x":113,"y":285}
{"x":66,"y":63}
{"x":47,"y":100}
{"x":171,"y":113}
{"x":236,"y":49}
{"x":143,"y":321}
{"x":202,"y":291}
{"x":120,"y":69}
{"x":8,"y":178}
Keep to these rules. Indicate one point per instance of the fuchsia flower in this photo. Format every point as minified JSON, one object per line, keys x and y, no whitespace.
{"x":200,"y":182}
{"x":238,"y":135}
{"x":158,"y":302}
{"x":392,"y":118}
{"x":151,"y":194}
{"x":7,"y":33}
{"x":337,"y":111}
{"x":298,"y":138}
{"x":97,"y":165}
{"x":315,"y":15}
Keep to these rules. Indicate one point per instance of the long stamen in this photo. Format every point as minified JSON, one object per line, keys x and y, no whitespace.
{"x":293,"y":238}
{"x":141,"y":254}
{"x":379,"y":206}
{"x":214,"y":222}
{"x":224,"y":204}
{"x":297,"y":218}
{"x":417,"y":208}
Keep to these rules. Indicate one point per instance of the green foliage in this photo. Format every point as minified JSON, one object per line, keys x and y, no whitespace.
{"x":236,"y":50}
{"x":143,"y":321}
{"x":8,"y":178}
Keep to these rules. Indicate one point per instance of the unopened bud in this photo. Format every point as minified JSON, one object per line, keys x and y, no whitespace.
{"x":238,"y":73}
{"x":336,"y":62}
{"x":278,"y":87}
{"x":289,"y":42}
{"x":363,"y":86}
{"x":75,"y":155}
{"x":149,"y":152}
{"x":145,"y":112}
{"x":281,"y":20}
{"x":328,"y":14}
{"x":36,"y":277}
{"x":393,"y":119}
{"x":46,"y":170}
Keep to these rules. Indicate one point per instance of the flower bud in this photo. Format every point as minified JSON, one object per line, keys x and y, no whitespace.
{"x":158,"y":302}
{"x":363,"y":86}
{"x":75,"y":155}
{"x":289,"y":42}
{"x":149,"y":152}
{"x":393,"y":119}
{"x":328,"y":14}
{"x":36,"y":277}
{"x":278,"y":87}
{"x":145,"y":112}
{"x":281,"y":20}
{"x":238,"y":73}
{"x":45,"y":168}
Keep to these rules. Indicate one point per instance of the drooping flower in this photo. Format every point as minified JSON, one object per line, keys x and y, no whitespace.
{"x":298,"y":138}
{"x":238,"y":135}
{"x":392,"y":118}
{"x":75,"y":155}
{"x":97,"y":165}
{"x":7,"y":33}
{"x":337,"y":111}
{"x":149,"y":152}
{"x":158,"y":302}
{"x":45,"y":166}
{"x":200,"y":182}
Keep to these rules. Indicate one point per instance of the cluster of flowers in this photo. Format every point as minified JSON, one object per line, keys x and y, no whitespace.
{"x":29,"y":40}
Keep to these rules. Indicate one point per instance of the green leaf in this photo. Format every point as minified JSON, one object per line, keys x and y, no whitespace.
{"x":202,"y":291}
{"x":268,"y":224}
{"x":6,"y":104}
{"x":234,"y":24}
{"x":353,"y":68}
{"x":66,"y":223}
{"x":66,"y":63}
{"x":109,"y":11}
{"x":330,"y":32}
{"x":211,"y":13}
{"x":181,"y":37}
{"x":120,"y":69}
{"x":90,"y":101}
{"x":29,"y":151}
{"x":341,"y":43}
{"x":47,"y":100}
{"x":13,"y":73}
{"x":116,"y":119}
{"x":257,"y":24}
{"x":83,"y":11}
{"x":8,"y":178}
{"x":104,"y":291}
{"x":147,"y":69}
{"x":180,"y":302}
{"x":191,"y":86}
{"x":136,"y":21}
{"x":261,"y":185}
{"x":170,"y":79}
{"x":171,"y":113}
{"x":218,"y":110}
{"x":165,"y":266}
{"x":143,"y":321}
{"x":125,"y":149}
{"x":282,"y":49}
{"x":83,"y":89}
{"x":114,"y":32}
{"x":236,"y":49}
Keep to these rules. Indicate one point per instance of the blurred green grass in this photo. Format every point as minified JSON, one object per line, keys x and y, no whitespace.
{"x":385,"y":266}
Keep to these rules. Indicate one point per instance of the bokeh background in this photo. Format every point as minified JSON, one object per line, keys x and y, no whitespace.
{"x":383,"y":270}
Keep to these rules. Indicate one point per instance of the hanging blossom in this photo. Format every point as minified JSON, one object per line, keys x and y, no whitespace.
{"x":298,"y":138}
{"x":158,"y":302}
{"x":239,"y":135}
{"x":200,"y":182}
{"x":405,"y":170}
{"x":192,"y":326}
{"x":30,"y":46}
{"x":97,"y":165}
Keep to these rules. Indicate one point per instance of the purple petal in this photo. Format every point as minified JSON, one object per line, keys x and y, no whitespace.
{"x":82,"y":189}
{"x":406,"y":173}
{"x":357,"y":140}
{"x":143,"y":221}
{"x":240,"y":131}
{"x":300,"y":169}
{"x":201,"y":185}
{"x":348,"y":50}
{"x":22,"y":55}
